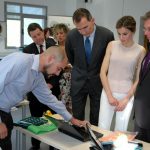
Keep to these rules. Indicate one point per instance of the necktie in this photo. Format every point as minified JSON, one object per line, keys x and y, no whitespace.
{"x":88,"y":49}
{"x":41,"y":49}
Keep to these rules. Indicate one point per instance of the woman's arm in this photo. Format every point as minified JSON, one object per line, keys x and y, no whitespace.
{"x":137,"y":72}
{"x":103,"y":76}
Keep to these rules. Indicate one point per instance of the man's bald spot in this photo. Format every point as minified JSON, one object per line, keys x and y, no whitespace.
{"x":57,"y":52}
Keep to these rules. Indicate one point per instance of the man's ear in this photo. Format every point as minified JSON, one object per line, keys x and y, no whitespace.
{"x":93,"y":20}
{"x":51,"y":59}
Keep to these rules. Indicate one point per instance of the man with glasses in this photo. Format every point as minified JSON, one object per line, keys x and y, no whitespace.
{"x":85,"y":48}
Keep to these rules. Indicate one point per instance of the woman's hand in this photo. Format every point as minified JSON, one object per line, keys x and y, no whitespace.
{"x":122,"y":104}
{"x":113,"y":101}
{"x":3,"y":131}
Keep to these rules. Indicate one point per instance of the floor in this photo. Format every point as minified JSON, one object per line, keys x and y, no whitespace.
{"x":17,"y":115}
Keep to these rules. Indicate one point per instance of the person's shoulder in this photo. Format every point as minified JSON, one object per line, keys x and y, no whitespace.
{"x":143,"y":50}
{"x":73,"y":32}
{"x":14,"y":55}
{"x":115,"y":42}
{"x":103,"y":30}
{"x":30,"y":45}
{"x":50,"y":42}
{"x":17,"y":58}
{"x":18,"y":61}
{"x":140,"y":47}
{"x":24,"y":60}
{"x":28,"y":48}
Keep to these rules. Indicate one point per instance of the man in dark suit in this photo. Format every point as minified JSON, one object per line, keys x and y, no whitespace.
{"x":38,"y":46}
{"x":85,"y":48}
{"x":142,"y":96}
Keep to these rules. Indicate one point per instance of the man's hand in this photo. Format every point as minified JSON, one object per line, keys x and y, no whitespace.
{"x":49,"y":85}
{"x":79,"y":123}
{"x":3,"y":131}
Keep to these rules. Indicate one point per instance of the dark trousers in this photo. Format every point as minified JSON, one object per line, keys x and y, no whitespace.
{"x":6,"y":118}
{"x":36,"y":109}
{"x":143,"y":134}
{"x":79,"y":103}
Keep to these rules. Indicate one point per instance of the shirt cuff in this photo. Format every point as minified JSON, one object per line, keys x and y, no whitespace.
{"x":67,"y":116}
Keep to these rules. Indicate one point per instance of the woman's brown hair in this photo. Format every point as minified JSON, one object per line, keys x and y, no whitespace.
{"x":127,"y":22}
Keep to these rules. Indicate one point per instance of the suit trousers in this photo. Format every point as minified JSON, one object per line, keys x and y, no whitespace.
{"x":79,"y":103}
{"x":107,"y":111}
{"x":6,"y":118}
{"x":143,"y":134}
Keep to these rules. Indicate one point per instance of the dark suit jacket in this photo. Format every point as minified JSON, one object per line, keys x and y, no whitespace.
{"x":54,"y":80}
{"x":142,"y":100}
{"x":75,"y":50}
{"x":50,"y":41}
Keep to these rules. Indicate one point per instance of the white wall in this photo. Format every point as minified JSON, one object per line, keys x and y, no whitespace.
{"x":55,"y":7}
{"x":107,"y":12}
{"x":136,"y":8}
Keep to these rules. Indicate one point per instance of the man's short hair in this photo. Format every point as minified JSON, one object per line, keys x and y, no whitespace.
{"x":146,"y":16}
{"x":80,"y":13}
{"x":33,"y":26}
{"x":57,"y":52}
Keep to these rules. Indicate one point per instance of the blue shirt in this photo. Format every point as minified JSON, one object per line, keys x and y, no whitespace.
{"x":91,"y":37}
{"x":19,"y":74}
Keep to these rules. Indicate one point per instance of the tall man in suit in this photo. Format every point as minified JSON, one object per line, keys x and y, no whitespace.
{"x":38,"y":46}
{"x":142,"y":96}
{"x":85,"y":48}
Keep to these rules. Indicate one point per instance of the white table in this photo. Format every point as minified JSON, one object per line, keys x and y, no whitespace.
{"x":23,"y":105}
{"x":64,"y":142}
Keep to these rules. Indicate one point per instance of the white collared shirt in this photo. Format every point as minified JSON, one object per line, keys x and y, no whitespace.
{"x":44,"y":46}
